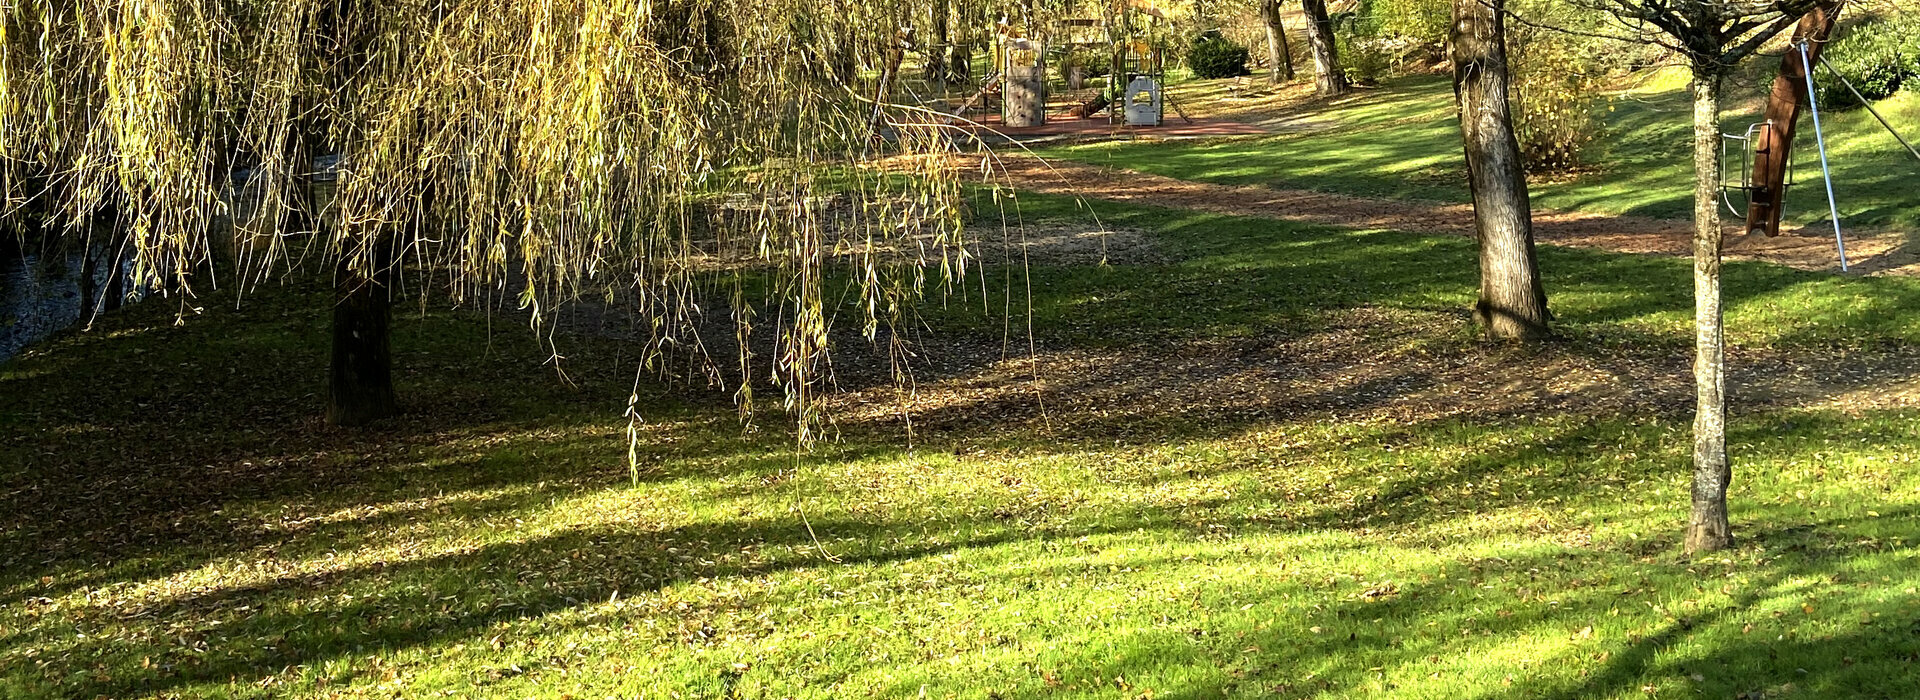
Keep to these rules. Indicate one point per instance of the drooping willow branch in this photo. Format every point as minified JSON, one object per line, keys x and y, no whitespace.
{"x":552,"y":149}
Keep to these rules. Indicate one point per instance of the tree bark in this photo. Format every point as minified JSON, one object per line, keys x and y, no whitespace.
{"x":937,"y":51}
{"x":890,"y":57}
{"x":89,"y":286}
{"x":1279,"y":55}
{"x":889,"y":72}
{"x":960,"y":62}
{"x":845,"y":62}
{"x":1329,"y":80}
{"x":1513,"y":301}
{"x":360,"y":385}
{"x":1708,"y":527}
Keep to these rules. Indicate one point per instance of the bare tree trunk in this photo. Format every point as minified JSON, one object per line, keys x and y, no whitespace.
{"x":889,"y":72}
{"x":1280,"y":56}
{"x":116,"y":291}
{"x":1329,"y":80}
{"x":1513,"y":302}
{"x":1708,"y":527}
{"x":360,"y":385}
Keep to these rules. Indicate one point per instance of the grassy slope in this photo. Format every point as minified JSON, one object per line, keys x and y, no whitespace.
{"x":178,"y":522}
{"x":1401,"y":141}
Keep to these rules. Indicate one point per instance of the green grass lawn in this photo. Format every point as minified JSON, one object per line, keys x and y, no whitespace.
{"x":1402,"y":141}
{"x":178,"y":522}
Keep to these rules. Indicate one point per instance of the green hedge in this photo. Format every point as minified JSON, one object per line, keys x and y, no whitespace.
{"x":1877,"y":56}
{"x":1217,"y":58}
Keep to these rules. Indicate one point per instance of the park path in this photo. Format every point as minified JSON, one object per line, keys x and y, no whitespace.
{"x":1875,"y":252}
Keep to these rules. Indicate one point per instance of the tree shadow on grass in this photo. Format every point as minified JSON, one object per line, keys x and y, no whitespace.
{"x":431,"y":601}
{"x":1415,"y":633}
{"x":144,"y":448}
{"x":127,"y":470}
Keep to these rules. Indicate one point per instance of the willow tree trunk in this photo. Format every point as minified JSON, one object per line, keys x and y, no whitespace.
{"x":1708,"y":527}
{"x":845,"y":68}
{"x":360,"y":384}
{"x":1329,"y":79}
{"x":1513,"y":302}
{"x":960,"y":62}
{"x":937,"y":52}
{"x":1279,"y":55}
{"x":889,"y":74}
{"x":89,"y":279}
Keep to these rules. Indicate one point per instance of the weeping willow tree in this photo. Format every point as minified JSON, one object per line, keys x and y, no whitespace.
{"x":653,"y":154}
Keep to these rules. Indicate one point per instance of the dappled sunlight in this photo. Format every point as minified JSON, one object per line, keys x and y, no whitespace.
{"x":1402,"y":143}
{"x":1268,"y":460}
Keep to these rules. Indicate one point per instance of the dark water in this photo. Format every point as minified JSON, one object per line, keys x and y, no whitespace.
{"x":41,"y":296}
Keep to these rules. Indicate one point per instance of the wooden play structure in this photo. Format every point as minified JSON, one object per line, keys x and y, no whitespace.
{"x":1132,"y":33}
{"x":1766,"y":155}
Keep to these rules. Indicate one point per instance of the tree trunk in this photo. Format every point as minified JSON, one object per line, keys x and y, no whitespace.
{"x":1329,"y":80}
{"x":89,"y":284}
{"x":1708,"y":527}
{"x":845,"y":62}
{"x":116,"y":289}
{"x":1513,"y":302}
{"x":937,"y":49}
{"x":960,"y":62}
{"x":1280,"y":56}
{"x":889,"y":74}
{"x":360,"y":386}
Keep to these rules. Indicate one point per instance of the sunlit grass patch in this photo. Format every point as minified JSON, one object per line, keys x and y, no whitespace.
{"x":199,"y":539}
{"x":1402,"y":141}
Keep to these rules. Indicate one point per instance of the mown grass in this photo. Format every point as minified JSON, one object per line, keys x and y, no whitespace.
{"x":1240,"y":276}
{"x":179,"y":523}
{"x":1402,"y":141}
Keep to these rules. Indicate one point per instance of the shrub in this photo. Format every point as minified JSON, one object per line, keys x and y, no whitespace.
{"x":1423,"y":21}
{"x":1877,"y":56}
{"x":1217,"y":58}
{"x":1368,"y":59}
{"x":1554,"y":79}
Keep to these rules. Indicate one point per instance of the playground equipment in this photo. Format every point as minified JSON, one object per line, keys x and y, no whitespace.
{"x":1024,"y":92}
{"x":1131,"y":33}
{"x":1770,"y":143}
{"x":1145,"y":101}
{"x":1135,"y":30}
{"x":1767,"y":147}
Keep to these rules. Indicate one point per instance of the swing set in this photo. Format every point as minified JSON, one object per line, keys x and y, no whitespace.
{"x":1766,"y":148}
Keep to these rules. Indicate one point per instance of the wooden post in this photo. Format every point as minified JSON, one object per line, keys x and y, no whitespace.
{"x":1773,"y":145}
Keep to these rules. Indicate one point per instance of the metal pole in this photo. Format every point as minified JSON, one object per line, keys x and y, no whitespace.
{"x":1833,"y":205}
{"x":1864,"y":102}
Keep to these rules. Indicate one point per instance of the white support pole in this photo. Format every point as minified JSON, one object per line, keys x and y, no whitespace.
{"x":1833,"y":205}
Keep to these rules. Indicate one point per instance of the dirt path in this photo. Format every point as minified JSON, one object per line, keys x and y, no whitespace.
{"x":1870,"y":252}
{"x":1359,"y":367}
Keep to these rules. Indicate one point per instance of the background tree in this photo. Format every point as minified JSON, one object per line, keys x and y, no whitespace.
{"x":1328,"y":78}
{"x":939,"y":43}
{"x":1513,"y":302}
{"x":1279,"y":54}
{"x":1714,"y":36}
